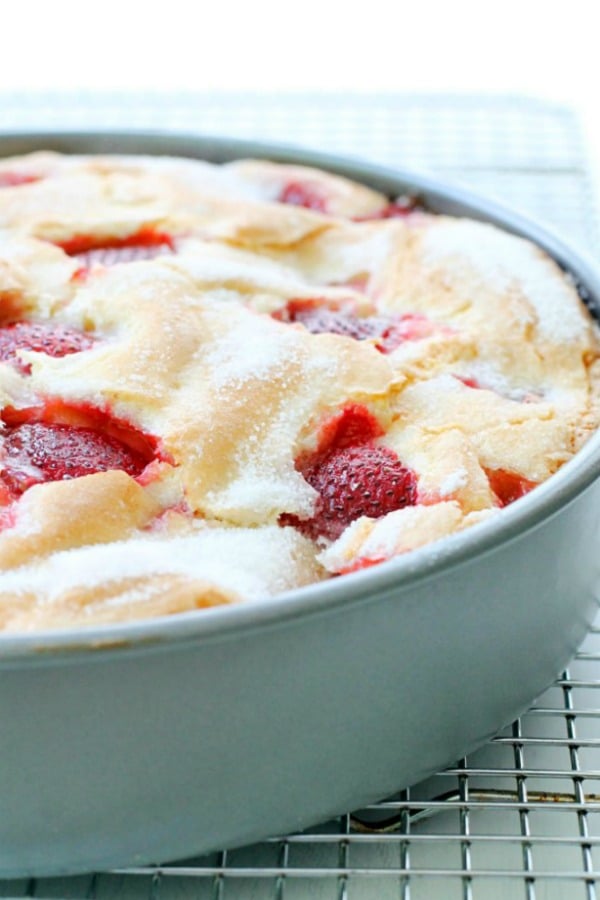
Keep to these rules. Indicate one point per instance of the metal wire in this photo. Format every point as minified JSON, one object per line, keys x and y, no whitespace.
{"x":519,"y":818}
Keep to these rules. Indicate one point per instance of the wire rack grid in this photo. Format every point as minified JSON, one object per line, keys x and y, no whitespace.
{"x":519,"y":818}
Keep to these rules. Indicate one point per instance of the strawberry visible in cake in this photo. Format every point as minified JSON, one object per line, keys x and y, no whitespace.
{"x":356,"y":481}
{"x":16,"y":179}
{"x":508,"y":486}
{"x":305,"y":194}
{"x":387,"y":332}
{"x":51,"y":338}
{"x":39,"y":452}
{"x":353,"y":476}
{"x":145,"y":244}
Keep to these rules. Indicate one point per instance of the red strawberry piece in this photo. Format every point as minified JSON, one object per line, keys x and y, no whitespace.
{"x":143,"y":245}
{"x":353,"y":425}
{"x":407,"y":327}
{"x":470,"y":382}
{"x":508,"y":486}
{"x":52,"y":339}
{"x":362,"y":563}
{"x":37,"y":452}
{"x":399,"y":208}
{"x":352,"y":476}
{"x":321,"y":319}
{"x":7,"y":515}
{"x":390,"y":331}
{"x":111,"y":256}
{"x":15,"y":179}
{"x":364,"y":480}
{"x":301,"y":193}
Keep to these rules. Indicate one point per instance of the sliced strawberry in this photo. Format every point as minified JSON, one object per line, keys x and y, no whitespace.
{"x":359,"y":481}
{"x":88,"y":250}
{"x":49,"y":338}
{"x":320,"y":319}
{"x":508,"y":486}
{"x":302,"y":193}
{"x":390,"y":331}
{"x":352,"y":476}
{"x":407,"y":327}
{"x":15,"y":179}
{"x":351,"y":426}
{"x":356,"y":481}
{"x":38,"y":452}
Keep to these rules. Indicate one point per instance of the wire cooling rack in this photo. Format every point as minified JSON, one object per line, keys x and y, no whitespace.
{"x":520,"y":817}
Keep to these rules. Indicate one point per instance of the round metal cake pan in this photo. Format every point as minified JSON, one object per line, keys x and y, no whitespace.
{"x":139,"y":743}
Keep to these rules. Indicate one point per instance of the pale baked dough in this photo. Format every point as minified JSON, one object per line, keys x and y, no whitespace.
{"x":187,"y":350}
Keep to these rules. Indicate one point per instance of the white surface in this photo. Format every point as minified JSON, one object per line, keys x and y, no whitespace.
{"x":546,"y":49}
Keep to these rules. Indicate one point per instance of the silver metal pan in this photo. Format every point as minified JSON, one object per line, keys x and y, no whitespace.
{"x":135,"y":743}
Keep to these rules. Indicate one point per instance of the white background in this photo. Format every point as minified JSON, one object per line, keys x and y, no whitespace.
{"x":546,"y":49}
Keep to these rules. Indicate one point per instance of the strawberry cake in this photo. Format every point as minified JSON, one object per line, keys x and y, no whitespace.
{"x":220,"y":383}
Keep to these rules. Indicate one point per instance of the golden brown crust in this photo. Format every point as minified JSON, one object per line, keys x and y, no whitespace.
{"x":115,"y":601}
{"x":63,"y":515}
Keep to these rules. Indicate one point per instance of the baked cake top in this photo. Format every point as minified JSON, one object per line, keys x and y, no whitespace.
{"x":219,"y":383}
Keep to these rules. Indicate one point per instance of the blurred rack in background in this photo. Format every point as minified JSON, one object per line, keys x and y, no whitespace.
{"x":527,"y":153}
